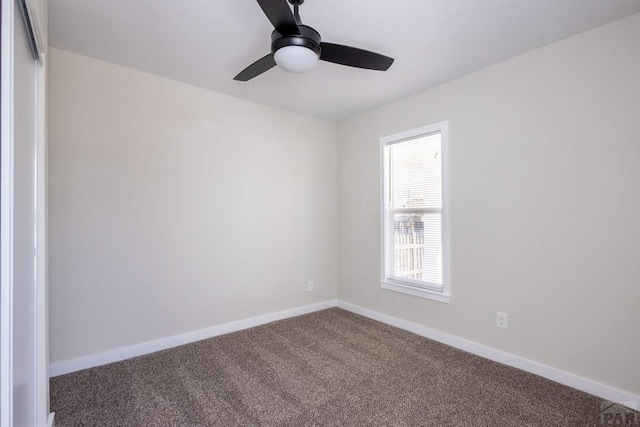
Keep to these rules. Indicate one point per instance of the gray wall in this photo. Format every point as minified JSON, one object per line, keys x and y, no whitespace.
{"x":545,"y":174}
{"x":174,"y":208}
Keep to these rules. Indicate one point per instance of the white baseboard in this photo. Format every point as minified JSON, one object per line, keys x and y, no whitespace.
{"x":93,"y":360}
{"x":50,"y":420}
{"x":580,"y":383}
{"x":583,"y":384}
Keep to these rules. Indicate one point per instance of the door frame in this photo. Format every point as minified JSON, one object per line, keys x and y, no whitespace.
{"x":9,"y":9}
{"x":6,"y":213}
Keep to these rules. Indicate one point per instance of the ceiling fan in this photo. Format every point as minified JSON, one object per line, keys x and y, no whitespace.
{"x":297,"y":48}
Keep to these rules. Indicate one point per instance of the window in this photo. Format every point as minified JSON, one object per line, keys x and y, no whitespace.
{"x":414,"y":212}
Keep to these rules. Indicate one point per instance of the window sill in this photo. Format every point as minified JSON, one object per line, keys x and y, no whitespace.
{"x":416,"y":292}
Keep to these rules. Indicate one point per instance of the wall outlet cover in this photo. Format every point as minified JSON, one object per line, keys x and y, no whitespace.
{"x":502,"y":320}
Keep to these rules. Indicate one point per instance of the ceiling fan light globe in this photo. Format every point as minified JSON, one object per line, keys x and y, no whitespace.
{"x":296,"y":59}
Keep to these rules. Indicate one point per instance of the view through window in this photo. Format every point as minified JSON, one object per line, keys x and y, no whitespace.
{"x":413,"y":210}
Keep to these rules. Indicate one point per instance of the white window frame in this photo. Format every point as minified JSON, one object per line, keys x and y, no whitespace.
{"x":408,"y":286}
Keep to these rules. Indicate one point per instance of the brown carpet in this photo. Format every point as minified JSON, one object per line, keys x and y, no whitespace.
{"x":330,"y":368}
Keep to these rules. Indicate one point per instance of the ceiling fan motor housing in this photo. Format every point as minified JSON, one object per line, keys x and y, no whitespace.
{"x":308,"y":38}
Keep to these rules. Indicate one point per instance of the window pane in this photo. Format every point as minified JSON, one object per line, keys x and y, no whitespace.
{"x":416,"y":173}
{"x":417,"y":243}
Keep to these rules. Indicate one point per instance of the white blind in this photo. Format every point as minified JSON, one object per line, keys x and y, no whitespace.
{"x":414,"y":212}
{"x":416,"y":171}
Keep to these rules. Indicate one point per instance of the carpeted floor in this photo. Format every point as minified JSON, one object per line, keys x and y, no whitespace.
{"x":330,"y":368}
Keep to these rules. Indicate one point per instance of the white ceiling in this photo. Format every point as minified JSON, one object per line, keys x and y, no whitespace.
{"x":207,"y":42}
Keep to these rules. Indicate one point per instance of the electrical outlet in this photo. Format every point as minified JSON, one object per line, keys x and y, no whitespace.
{"x":310,"y":286}
{"x":502,"y":320}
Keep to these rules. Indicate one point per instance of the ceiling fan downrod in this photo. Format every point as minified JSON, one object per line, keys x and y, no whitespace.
{"x":296,"y":14}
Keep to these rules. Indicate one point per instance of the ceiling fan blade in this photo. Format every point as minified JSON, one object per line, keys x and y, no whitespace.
{"x":254,"y":70}
{"x":280,"y":15}
{"x":354,"y":57}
